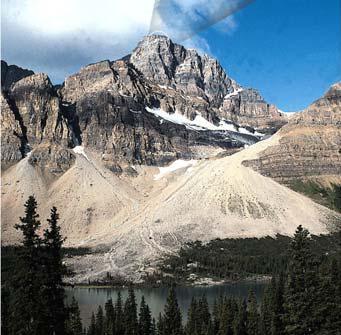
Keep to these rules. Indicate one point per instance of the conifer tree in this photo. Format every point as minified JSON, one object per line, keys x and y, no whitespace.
{"x":130,"y":314}
{"x":119,"y":322}
{"x":74,"y":322}
{"x":216,"y":316}
{"x":160,"y":325}
{"x":27,"y":312}
{"x":277,"y":306}
{"x":267,"y":308}
{"x":191,"y":318}
{"x":204,"y":316}
{"x":252,"y":324}
{"x":99,"y":321}
{"x":52,"y":286}
{"x":92,"y":327}
{"x":172,"y":324}
{"x":301,"y":286}
{"x":110,"y":316}
{"x":328,"y":310}
{"x":153,"y":330}
{"x":145,"y":319}
{"x":239,"y":323}
{"x":5,"y":312}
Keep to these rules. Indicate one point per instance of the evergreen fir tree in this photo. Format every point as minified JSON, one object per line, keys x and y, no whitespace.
{"x":300,"y":299}
{"x":145,"y":319}
{"x":27,"y":313}
{"x":99,"y":321}
{"x":74,"y":322}
{"x":190,"y":328}
{"x":225,"y":318}
{"x":267,"y":308}
{"x":92,"y":327}
{"x":204,"y":317}
{"x":130,"y":314}
{"x":239,"y":323}
{"x":153,"y":330}
{"x":252,"y":324}
{"x":52,"y":286}
{"x":110,"y":316}
{"x":216,"y":317}
{"x":160,"y":325}
{"x":277,"y":306}
{"x":172,"y":316}
{"x":5,"y":321}
{"x":119,"y":322}
{"x":328,"y":309}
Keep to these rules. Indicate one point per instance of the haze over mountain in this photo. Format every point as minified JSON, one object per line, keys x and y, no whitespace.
{"x":147,"y":152}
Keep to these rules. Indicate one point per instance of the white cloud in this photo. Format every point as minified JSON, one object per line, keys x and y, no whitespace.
{"x":58,"y":37}
{"x":110,"y":16}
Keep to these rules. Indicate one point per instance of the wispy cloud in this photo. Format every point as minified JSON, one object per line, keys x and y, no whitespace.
{"x":227,"y":26}
{"x":183,"y":19}
{"x":198,"y":43}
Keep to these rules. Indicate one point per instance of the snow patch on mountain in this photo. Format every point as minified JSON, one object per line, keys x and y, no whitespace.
{"x":176,"y":165}
{"x":199,"y":122}
{"x":234,"y":93}
{"x":80,"y":151}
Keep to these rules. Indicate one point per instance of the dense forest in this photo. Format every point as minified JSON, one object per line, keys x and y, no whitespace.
{"x":234,"y":259}
{"x":304,"y":298}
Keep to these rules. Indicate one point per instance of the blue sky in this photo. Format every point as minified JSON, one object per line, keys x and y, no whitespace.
{"x":289,"y":50}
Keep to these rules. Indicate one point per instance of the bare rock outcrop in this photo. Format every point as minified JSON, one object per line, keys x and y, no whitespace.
{"x":32,"y":120}
{"x":11,"y":74}
{"x":247,"y":108}
{"x":310,"y":143}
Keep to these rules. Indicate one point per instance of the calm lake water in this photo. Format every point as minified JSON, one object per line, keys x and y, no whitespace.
{"x":90,"y":298}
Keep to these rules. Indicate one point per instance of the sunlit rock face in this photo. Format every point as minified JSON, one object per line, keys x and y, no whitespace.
{"x":309,"y":147}
{"x":104,"y":107}
{"x":202,"y":78}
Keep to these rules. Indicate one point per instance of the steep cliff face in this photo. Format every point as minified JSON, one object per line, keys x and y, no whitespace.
{"x":12,"y":138}
{"x":166,"y":63}
{"x":33,"y":123}
{"x":203,"y":78}
{"x":247,"y":108}
{"x":309,"y":146}
{"x":108,"y":101}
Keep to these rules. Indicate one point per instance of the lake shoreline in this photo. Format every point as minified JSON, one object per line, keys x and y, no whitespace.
{"x":200,"y":282}
{"x":90,"y":297}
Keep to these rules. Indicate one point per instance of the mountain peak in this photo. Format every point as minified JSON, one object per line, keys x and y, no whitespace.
{"x":11,"y":74}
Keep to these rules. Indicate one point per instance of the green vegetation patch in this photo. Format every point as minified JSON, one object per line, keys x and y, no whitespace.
{"x":326,"y":196}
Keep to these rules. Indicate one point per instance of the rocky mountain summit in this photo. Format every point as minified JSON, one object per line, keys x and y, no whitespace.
{"x":203,"y":78}
{"x":115,"y":108}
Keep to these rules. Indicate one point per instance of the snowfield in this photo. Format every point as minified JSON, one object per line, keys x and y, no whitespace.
{"x":178,"y":164}
{"x":80,"y":151}
{"x":199,"y":122}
